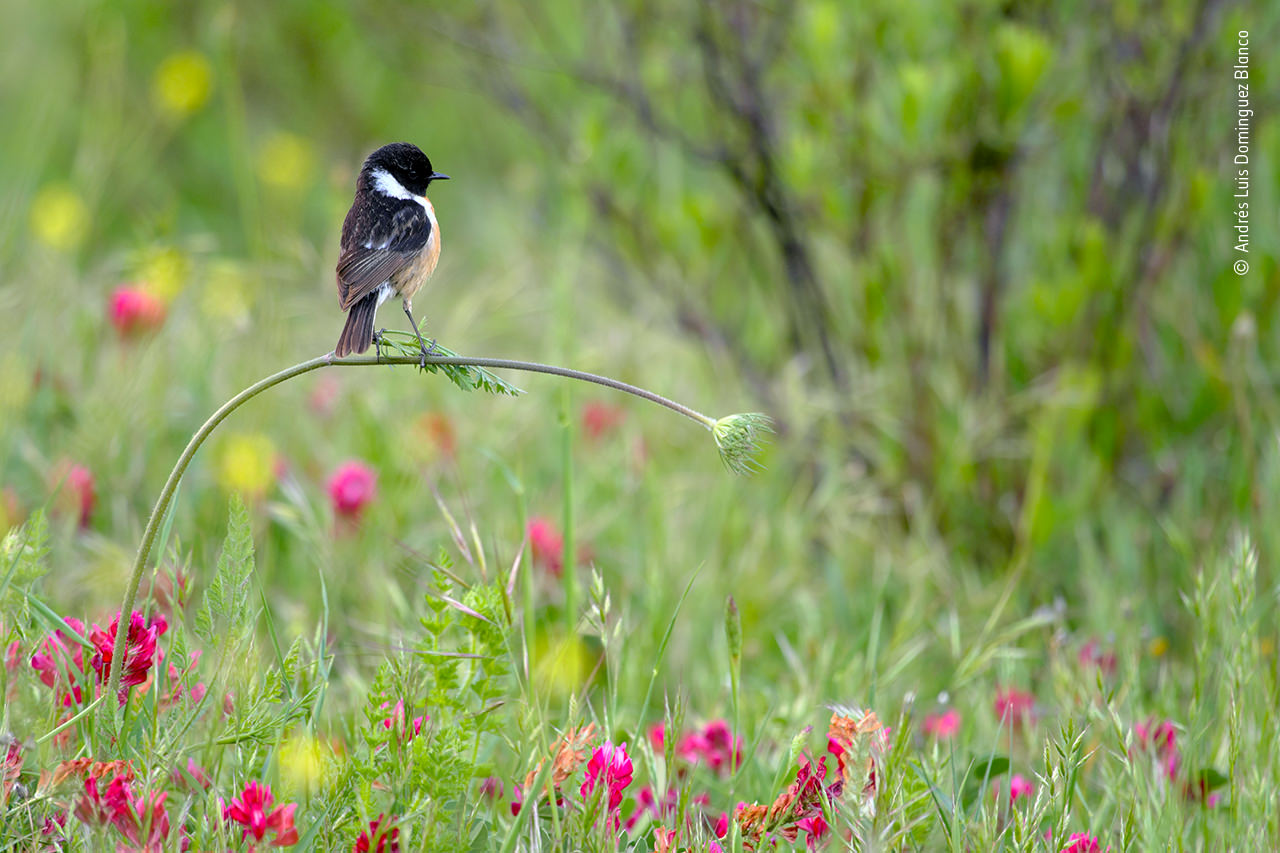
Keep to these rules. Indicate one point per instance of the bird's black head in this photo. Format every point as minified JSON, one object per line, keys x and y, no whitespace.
{"x":404,"y":162}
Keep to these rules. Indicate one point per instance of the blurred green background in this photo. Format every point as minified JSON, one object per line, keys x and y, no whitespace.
{"x":975,"y":258}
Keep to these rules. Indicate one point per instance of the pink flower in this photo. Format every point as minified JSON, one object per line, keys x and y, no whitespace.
{"x":491,"y":788}
{"x":1091,"y":655}
{"x":657,"y":737}
{"x":78,"y":493}
{"x":944,"y":725}
{"x":1081,"y":842}
{"x":722,"y":825}
{"x":140,"y":650}
{"x":714,"y":746}
{"x":351,"y":488}
{"x":815,"y":826}
{"x":547,"y":545}
{"x":1019,"y":786}
{"x":375,"y":840}
{"x":60,"y":663}
{"x":609,"y":766}
{"x":1161,"y":739}
{"x":600,"y":419}
{"x":250,"y":810}
{"x":396,"y":722}
{"x":1014,"y":706}
{"x":142,"y":820}
{"x":134,"y":311}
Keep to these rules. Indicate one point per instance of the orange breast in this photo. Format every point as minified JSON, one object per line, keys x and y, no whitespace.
{"x":410,"y":279}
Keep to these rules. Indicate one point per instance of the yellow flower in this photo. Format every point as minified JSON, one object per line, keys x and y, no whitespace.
{"x":59,"y":217}
{"x":182,"y":83}
{"x":163,"y":272}
{"x":1158,"y":647}
{"x":286,"y":161}
{"x":246,"y":464}
{"x":226,"y":296}
{"x":303,"y":765}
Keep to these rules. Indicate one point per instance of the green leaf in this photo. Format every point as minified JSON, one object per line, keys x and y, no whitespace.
{"x":22,"y":559}
{"x":465,"y":376}
{"x":981,"y":771}
{"x":1211,"y":779}
{"x":226,"y":601}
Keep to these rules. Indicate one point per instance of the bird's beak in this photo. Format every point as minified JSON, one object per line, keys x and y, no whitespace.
{"x":436,"y":176}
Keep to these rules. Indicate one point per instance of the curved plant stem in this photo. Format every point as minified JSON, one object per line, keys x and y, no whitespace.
{"x":175,"y":476}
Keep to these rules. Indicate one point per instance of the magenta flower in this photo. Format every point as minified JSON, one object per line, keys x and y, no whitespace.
{"x":134,"y":311}
{"x":1014,"y":706}
{"x":609,"y":766}
{"x":1091,"y":655}
{"x":60,"y":663}
{"x":1161,"y":739}
{"x":1019,"y":786}
{"x":944,"y":725}
{"x":396,"y":722}
{"x":816,"y":827}
{"x":80,"y":481}
{"x":250,"y":810}
{"x":352,"y":488}
{"x":139,"y":654}
{"x":381,"y":837}
{"x":1081,"y":842}
{"x":714,"y":746}
{"x":143,"y":821}
{"x":547,"y":545}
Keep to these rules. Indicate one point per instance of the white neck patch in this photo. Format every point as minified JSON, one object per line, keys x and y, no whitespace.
{"x":386,"y":183}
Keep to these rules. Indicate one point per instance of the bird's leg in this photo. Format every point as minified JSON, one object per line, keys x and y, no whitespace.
{"x":377,"y":342}
{"x":424,"y":350}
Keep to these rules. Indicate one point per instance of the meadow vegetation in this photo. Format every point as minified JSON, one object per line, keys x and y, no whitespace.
{"x":1004,"y":578}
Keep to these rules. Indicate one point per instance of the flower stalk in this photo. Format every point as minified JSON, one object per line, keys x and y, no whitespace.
{"x":736,"y":436}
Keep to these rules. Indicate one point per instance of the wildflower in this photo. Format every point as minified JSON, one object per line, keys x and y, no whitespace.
{"x":570,"y":750}
{"x":600,"y":419}
{"x":191,"y":777}
{"x":10,"y":769}
{"x":351,"y":488}
{"x":611,"y":767}
{"x":246,"y":464}
{"x":1091,"y":655}
{"x":1161,"y":739}
{"x":60,"y":663}
{"x":942,"y":726}
{"x":54,"y":830}
{"x":140,"y":650}
{"x":78,"y":494}
{"x":722,"y":825}
{"x":1014,"y":706}
{"x":59,"y":218}
{"x":815,"y":826}
{"x":182,"y":83}
{"x":805,"y":799}
{"x":11,"y":656}
{"x":714,"y":746}
{"x":1081,"y":842}
{"x":1019,"y":787}
{"x":396,"y":722}
{"x":858,"y":731}
{"x":285,"y":161}
{"x":143,"y":820}
{"x":657,"y":735}
{"x":375,"y":840}
{"x":491,"y":788}
{"x":547,"y":545}
{"x":134,"y":311}
{"x":250,"y":810}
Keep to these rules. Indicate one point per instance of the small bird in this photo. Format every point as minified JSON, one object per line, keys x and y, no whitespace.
{"x":390,"y":242}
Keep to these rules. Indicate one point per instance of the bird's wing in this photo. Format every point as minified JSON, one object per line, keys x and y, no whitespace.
{"x":377,"y":251}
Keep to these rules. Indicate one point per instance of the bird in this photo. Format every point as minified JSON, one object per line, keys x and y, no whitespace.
{"x":390,"y":242}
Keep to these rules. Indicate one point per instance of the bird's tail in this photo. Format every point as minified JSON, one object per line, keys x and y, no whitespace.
{"x":358,"y":333}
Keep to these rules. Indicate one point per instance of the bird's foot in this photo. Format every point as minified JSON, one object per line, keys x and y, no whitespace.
{"x":378,"y":341}
{"x":426,"y":351}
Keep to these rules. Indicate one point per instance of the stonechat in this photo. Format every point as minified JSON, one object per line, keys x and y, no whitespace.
{"x":390,"y":241}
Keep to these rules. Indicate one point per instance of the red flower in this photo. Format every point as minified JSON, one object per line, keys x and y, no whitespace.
{"x":139,"y":654}
{"x":943,"y":725}
{"x":491,"y":788}
{"x":600,"y":419}
{"x":1081,"y":842}
{"x":1014,"y":705}
{"x":351,"y":488}
{"x":815,"y":826}
{"x":547,"y":545}
{"x":60,"y":663}
{"x":386,"y":840}
{"x":250,"y":809}
{"x":134,"y":311}
{"x":610,"y":766}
